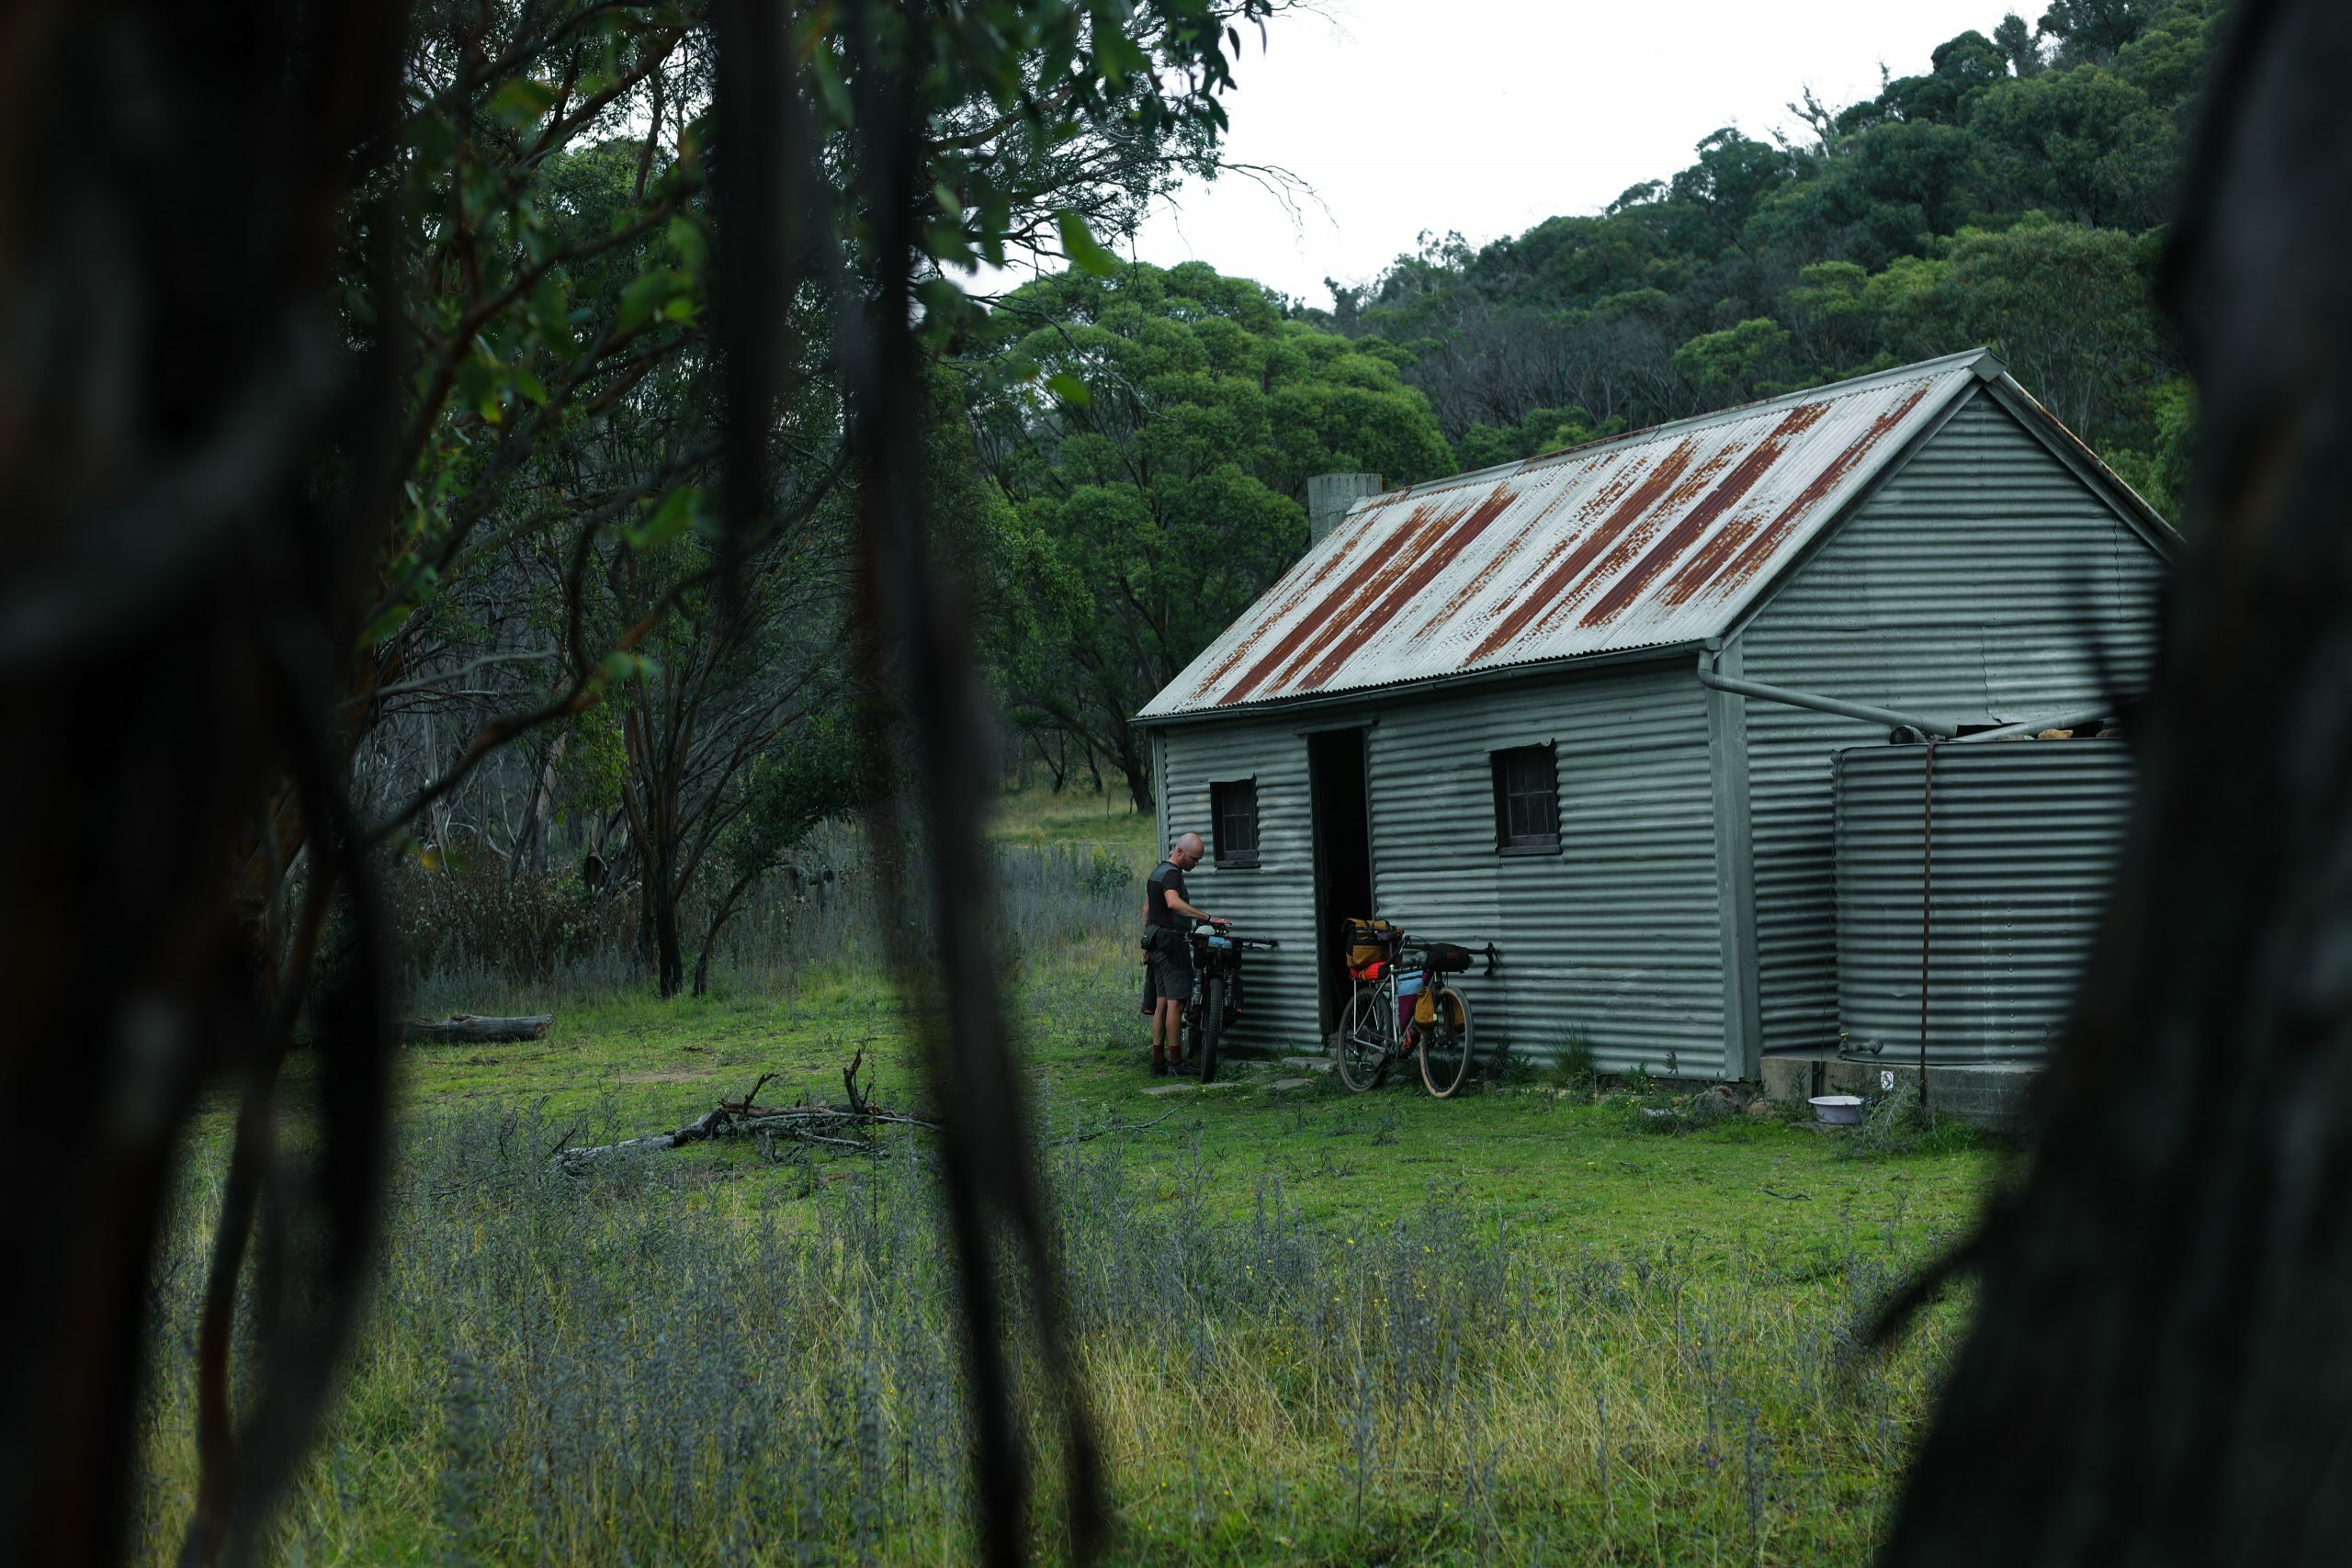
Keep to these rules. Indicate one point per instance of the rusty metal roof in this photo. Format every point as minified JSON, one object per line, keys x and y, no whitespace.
{"x":1660,"y":536}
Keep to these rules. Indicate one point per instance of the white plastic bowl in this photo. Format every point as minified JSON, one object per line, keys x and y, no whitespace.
{"x":1841,"y":1109}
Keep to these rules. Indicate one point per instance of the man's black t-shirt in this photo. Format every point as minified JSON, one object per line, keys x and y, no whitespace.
{"x":1166,"y":876}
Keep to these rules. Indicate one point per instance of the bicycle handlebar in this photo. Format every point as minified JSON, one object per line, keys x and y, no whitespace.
{"x":1224,"y":928}
{"x":1423,"y":944}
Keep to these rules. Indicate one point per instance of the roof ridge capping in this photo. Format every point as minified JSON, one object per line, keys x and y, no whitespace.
{"x":1987,"y":366}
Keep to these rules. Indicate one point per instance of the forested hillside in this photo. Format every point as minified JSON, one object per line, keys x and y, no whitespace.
{"x":2013,"y":193}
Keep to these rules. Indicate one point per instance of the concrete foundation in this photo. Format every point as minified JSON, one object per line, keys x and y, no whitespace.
{"x":1996,"y":1097}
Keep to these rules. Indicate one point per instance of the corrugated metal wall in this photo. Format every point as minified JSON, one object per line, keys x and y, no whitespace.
{"x":1616,"y":938}
{"x":2025,"y":839}
{"x":1976,"y":584}
{"x":1276,"y":897}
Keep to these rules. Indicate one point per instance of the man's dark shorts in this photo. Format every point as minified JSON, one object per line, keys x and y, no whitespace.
{"x":1172,"y":965}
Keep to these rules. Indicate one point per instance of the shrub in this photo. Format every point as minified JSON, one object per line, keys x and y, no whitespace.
{"x":472,"y":910}
{"x":469,"y":935}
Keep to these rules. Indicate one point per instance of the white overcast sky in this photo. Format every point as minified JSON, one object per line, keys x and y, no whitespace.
{"x":1488,"y":115}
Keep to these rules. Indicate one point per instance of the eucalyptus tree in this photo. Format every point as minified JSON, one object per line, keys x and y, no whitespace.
{"x":1156,"y":441}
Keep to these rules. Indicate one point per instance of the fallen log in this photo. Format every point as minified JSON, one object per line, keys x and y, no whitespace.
{"x":467,"y":1027}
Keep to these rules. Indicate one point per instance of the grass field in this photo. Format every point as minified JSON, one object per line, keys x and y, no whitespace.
{"x":1037,"y":819}
{"x":1518,"y":1326}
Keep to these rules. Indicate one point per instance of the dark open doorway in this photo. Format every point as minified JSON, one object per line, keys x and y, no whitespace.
{"x":1335,"y":774}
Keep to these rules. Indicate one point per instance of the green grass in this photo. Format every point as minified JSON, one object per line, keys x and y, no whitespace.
{"x":1563,"y":1172}
{"x":1514,"y":1326}
{"x":1079,"y":818}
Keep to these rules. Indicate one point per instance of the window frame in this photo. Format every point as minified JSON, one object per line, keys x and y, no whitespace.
{"x":1219,"y":854}
{"x":1499,"y":763}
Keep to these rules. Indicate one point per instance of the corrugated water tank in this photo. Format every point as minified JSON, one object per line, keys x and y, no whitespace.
{"x":2023,"y":855}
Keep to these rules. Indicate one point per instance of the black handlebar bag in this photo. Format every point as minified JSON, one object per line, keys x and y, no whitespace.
{"x":1449,"y":958}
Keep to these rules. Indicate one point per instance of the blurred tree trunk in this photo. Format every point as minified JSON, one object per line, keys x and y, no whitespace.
{"x":2159,"y":1370}
{"x":180,"y":583}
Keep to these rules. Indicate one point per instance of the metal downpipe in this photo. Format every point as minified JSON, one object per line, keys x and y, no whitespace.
{"x":2036,"y":725}
{"x":1943,"y":729}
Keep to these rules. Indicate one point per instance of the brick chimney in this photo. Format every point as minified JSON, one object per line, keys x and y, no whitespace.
{"x":1329,"y":496}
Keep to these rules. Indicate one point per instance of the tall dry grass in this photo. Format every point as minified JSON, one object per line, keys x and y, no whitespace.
{"x":655,"y":1360}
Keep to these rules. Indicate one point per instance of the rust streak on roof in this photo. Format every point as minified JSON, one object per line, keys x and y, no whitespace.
{"x":1679,"y":539}
{"x":1631,"y":545}
{"x":1259,"y":625}
{"x":1546,"y":594}
{"x":1493,"y":564}
{"x":1708,"y":557}
{"x":1619,"y":478}
{"x":1851,"y":457}
{"x":1439,"y":554}
{"x":1745,"y":565}
{"x":1312,"y":634}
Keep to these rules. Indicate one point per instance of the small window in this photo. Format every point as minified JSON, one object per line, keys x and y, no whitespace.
{"x":1527,"y":800}
{"x":1235,"y":830}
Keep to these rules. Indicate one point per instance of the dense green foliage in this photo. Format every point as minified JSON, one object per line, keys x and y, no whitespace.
{"x":1156,"y":441}
{"x":597,"y":635}
{"x":2013,"y":195}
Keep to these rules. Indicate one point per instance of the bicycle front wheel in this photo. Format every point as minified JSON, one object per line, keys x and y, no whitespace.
{"x":1446,"y":1043}
{"x":1364,"y":1037}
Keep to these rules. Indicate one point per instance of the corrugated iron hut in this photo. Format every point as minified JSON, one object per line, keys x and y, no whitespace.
{"x":1526,"y":703}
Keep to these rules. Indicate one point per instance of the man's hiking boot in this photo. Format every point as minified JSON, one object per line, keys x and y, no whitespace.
{"x":1159,"y":1067}
{"x":1188,"y":1068}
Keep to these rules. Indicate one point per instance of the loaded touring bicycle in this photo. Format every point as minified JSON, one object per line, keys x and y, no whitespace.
{"x":1399,"y":1004}
{"x":1216,"y":1000}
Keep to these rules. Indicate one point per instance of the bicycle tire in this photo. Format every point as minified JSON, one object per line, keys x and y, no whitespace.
{"x":1447,"y":1044}
{"x":1366,"y":1048}
{"x":1212,"y":1026}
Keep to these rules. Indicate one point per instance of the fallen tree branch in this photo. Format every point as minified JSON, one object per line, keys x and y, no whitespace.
{"x":849,"y":1080}
{"x":802,"y":1135}
{"x":746,"y":1117}
{"x":1118,"y":1127}
{"x":743,"y":1106}
{"x":806,"y":1115}
{"x":474,"y":1030}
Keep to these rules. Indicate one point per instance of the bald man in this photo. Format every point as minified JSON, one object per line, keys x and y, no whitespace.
{"x":1166,"y":918}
